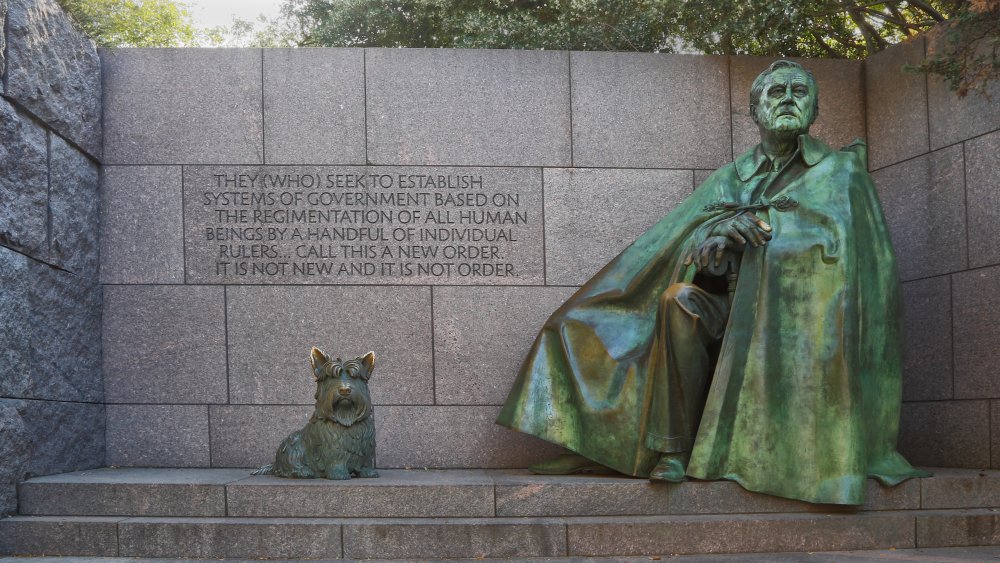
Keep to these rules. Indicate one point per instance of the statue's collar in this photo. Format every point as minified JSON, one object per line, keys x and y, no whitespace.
{"x":811,"y":149}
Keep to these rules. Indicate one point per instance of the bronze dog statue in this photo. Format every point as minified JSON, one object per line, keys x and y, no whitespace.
{"x":339,"y":440}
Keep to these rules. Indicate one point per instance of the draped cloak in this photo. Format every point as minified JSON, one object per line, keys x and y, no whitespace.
{"x":805,"y":397}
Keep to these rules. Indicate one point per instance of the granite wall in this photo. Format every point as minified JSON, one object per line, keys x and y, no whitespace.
{"x":208,"y":321}
{"x":205,"y":360}
{"x":936,"y":161}
{"x":52,"y":414}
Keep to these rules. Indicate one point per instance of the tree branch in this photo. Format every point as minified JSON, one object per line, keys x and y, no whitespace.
{"x":873,"y":41}
{"x":829,"y":50}
{"x":899,"y":15}
{"x":844,"y":6}
{"x":900,"y":21}
{"x":928,"y":9}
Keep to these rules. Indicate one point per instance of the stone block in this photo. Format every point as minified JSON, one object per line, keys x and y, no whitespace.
{"x":521,"y":494}
{"x":975,"y":301}
{"x":272,"y":329}
{"x":130,"y":492}
{"x":236,"y":538}
{"x":142,"y":232}
{"x":74,"y":207}
{"x":164,"y":344}
{"x":249,"y":435}
{"x":182,"y":106}
{"x":16,"y":278}
{"x":15,"y":450}
{"x":468,"y":107}
{"x":945,"y":433}
{"x":958,"y":528}
{"x":23,"y":183}
{"x":924,"y":204}
{"x":481,"y":337}
{"x":314,"y":106}
{"x":982,"y":176}
{"x":714,"y":497}
{"x":700,"y":176}
{"x":59,"y":535}
{"x":961,"y":488}
{"x":927,"y":350}
{"x":995,"y":434}
{"x":454,"y":538}
{"x":452,"y":437}
{"x":727,"y":497}
{"x":3,"y":41}
{"x":354,"y":225}
{"x":841,"y":98}
{"x":394,"y":494}
{"x":158,"y":436}
{"x":54,"y":71}
{"x":65,"y":328}
{"x":896,"y":102}
{"x":65,"y":436}
{"x":591,"y":215}
{"x":650,"y":110}
{"x":644,"y":535}
{"x":43,"y":437}
{"x":954,"y":119}
{"x":50,"y":332}
{"x":904,"y":496}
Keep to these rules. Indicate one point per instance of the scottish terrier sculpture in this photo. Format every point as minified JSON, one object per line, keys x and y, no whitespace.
{"x":339,"y":439}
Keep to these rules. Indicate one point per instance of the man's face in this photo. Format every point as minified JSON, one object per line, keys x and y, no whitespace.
{"x":787,"y":103}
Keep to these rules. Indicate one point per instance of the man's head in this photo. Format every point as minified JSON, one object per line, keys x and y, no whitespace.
{"x":784,"y":99}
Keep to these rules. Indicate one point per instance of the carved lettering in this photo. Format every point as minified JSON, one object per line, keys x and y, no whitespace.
{"x":356,"y":225}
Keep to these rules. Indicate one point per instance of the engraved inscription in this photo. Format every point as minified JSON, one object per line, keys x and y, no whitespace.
{"x":363,"y":225}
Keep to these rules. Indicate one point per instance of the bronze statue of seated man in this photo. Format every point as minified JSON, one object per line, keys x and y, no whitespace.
{"x":753,"y":334}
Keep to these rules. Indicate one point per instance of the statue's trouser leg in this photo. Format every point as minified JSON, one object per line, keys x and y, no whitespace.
{"x":689,"y":321}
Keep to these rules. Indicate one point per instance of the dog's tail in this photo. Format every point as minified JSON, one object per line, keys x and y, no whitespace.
{"x":264,"y":470}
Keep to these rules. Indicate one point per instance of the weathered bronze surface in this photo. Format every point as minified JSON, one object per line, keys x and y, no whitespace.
{"x":339,"y":440}
{"x":753,"y":334}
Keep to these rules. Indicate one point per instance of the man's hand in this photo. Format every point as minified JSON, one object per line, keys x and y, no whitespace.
{"x":734,"y":235}
{"x":742,"y":229}
{"x":713,"y":246}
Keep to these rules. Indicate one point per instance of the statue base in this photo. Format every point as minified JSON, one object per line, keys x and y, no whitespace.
{"x":421,"y":514}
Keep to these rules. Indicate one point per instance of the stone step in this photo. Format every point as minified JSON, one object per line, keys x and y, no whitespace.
{"x":453,"y":494}
{"x":228,"y":513}
{"x":424,"y":538}
{"x":925,"y":555}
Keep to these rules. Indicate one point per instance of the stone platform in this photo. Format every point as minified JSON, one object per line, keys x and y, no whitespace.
{"x":227,"y":513}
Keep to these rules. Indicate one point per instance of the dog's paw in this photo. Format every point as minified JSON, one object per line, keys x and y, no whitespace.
{"x":264,"y":470}
{"x":338,"y":473}
{"x":367,"y":473}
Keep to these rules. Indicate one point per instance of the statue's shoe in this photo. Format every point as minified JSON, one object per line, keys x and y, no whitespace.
{"x":566,"y":464}
{"x":671,"y":468}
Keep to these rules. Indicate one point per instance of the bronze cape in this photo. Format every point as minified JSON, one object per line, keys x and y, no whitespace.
{"x":805,"y":397}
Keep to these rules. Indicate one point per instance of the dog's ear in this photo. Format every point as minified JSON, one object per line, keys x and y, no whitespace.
{"x":369,"y":362}
{"x":318,"y":360}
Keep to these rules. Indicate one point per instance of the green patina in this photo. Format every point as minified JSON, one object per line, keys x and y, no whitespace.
{"x":791,"y":383}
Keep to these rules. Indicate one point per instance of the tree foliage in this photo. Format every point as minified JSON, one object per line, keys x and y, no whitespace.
{"x":852,"y":29}
{"x":133,"y":23}
{"x":965,"y":50}
{"x":259,"y":32}
{"x":819,"y":28}
{"x":636,"y":25}
{"x":964,"y":35}
{"x":830,"y":28}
